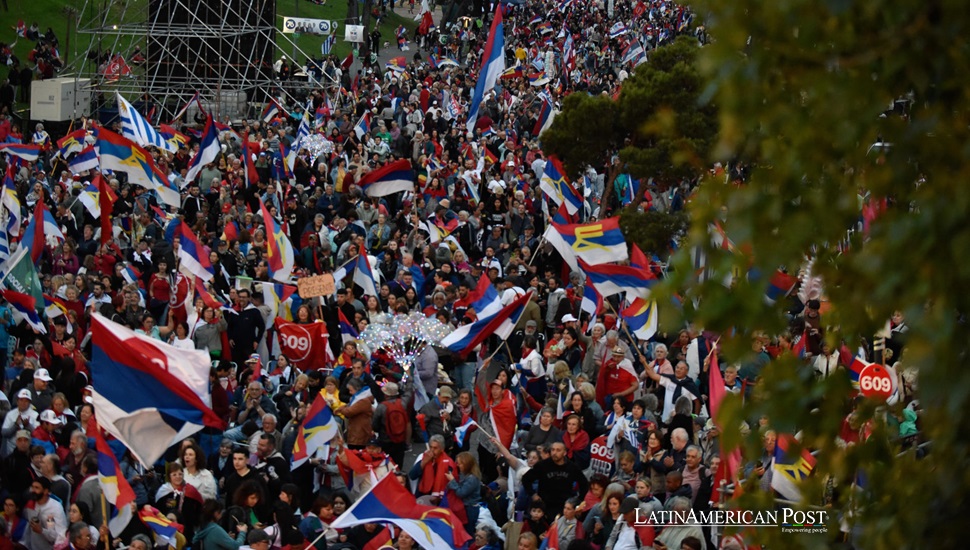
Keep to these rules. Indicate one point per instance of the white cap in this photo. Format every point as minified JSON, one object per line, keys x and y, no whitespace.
{"x":42,"y":374}
{"x":49,"y":416}
{"x":24,"y":394}
{"x":569,"y":318}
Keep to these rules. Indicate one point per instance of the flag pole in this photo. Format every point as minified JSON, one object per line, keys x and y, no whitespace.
{"x":104,"y":521}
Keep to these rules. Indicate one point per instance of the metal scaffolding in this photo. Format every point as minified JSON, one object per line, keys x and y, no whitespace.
{"x":222,"y":49}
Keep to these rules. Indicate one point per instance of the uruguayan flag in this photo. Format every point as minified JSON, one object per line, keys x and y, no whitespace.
{"x":136,"y":128}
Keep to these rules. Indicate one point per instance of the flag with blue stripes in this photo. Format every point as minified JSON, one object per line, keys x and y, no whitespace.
{"x":328,"y":44}
{"x":139,"y":130}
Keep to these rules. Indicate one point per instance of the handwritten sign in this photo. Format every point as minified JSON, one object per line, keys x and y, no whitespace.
{"x":318,"y":285}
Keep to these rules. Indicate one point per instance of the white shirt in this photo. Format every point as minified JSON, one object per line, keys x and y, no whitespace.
{"x":627,"y":540}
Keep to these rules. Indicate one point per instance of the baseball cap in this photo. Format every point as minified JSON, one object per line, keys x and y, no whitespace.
{"x":569,"y":318}
{"x":42,"y":374}
{"x":22,"y":433}
{"x":49,"y":416}
{"x":628,"y":505}
{"x":24,"y":394}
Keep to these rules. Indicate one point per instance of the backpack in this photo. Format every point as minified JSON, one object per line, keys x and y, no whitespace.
{"x":395,"y":421}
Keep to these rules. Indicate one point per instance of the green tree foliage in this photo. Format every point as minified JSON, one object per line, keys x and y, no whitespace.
{"x":657,"y":129}
{"x":800,"y":87}
{"x":652,"y":231}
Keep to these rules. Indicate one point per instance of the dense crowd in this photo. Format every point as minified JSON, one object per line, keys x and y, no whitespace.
{"x":580,"y":426}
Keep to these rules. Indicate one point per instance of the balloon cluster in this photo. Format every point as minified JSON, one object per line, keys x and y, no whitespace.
{"x":316,"y":145}
{"x":404,"y":337}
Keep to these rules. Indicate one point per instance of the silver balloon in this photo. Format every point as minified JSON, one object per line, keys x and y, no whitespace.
{"x":404,"y":336}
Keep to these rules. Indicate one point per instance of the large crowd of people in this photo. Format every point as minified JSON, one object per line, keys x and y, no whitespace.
{"x":580,"y":426}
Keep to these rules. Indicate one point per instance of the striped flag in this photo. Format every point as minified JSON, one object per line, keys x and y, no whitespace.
{"x":87,"y":159}
{"x":328,"y":44}
{"x":139,"y":130}
{"x":115,"y":487}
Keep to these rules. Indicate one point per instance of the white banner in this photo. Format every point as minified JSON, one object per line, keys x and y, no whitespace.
{"x":308,"y":26}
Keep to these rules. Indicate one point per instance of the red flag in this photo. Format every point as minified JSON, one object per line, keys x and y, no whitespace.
{"x":304,"y":345}
{"x":348,"y":61}
{"x":106,"y":200}
{"x":117,"y":68}
{"x":427,"y":21}
{"x":730,"y":461}
{"x":252,"y":177}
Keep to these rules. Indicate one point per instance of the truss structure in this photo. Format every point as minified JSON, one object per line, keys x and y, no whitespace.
{"x":222,"y":49}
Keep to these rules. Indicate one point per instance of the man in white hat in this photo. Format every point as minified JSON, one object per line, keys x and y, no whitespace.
{"x":41,"y":392}
{"x":45,"y":435}
{"x":22,"y":417}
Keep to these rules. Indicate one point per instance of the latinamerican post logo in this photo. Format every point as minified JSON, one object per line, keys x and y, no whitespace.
{"x":789,"y":520}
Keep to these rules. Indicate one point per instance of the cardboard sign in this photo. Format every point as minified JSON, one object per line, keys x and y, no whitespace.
{"x":318,"y":285}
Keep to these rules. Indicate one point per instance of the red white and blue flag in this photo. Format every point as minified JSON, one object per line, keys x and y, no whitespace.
{"x":493,"y":65}
{"x":484,"y":300}
{"x":393,"y":177}
{"x":191,"y":253}
{"x":30,"y":153}
{"x":209,"y":150}
{"x":120,"y":153}
{"x":388,"y":501}
{"x":117,"y":492}
{"x":363,"y":274}
{"x":71,"y":143}
{"x":317,"y":429}
{"x":347,"y":331}
{"x":599,"y":242}
{"x":87,"y":159}
{"x":610,"y":279}
{"x":24,"y":308}
{"x":149,"y":395}
{"x":41,"y":229}
{"x":500,"y":323}
{"x":279,"y":249}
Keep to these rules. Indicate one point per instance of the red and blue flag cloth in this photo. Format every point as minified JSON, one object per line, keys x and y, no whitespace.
{"x":209,"y":149}
{"x":86,"y":159}
{"x":271,"y":111}
{"x":71,"y":143}
{"x":42,"y":228}
{"x":500,"y":323}
{"x":165,"y":529}
{"x":173,"y":136}
{"x":595,"y":243}
{"x":347,"y":331}
{"x":363,"y":126}
{"x":24,"y":307}
{"x":393,"y":177}
{"x":317,"y":429}
{"x":191,"y":253}
{"x":363,"y":275}
{"x":30,"y":153}
{"x":484,"y":300}
{"x":120,"y":153}
{"x":493,"y":65}
{"x":610,"y":279}
{"x":790,"y":469}
{"x":279,"y":250}
{"x":555,"y":185}
{"x":149,"y":395}
{"x":641,"y":318}
{"x":389,"y":502}
{"x":117,"y":492}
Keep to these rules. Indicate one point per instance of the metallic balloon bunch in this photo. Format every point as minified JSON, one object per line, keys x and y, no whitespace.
{"x":404,"y":336}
